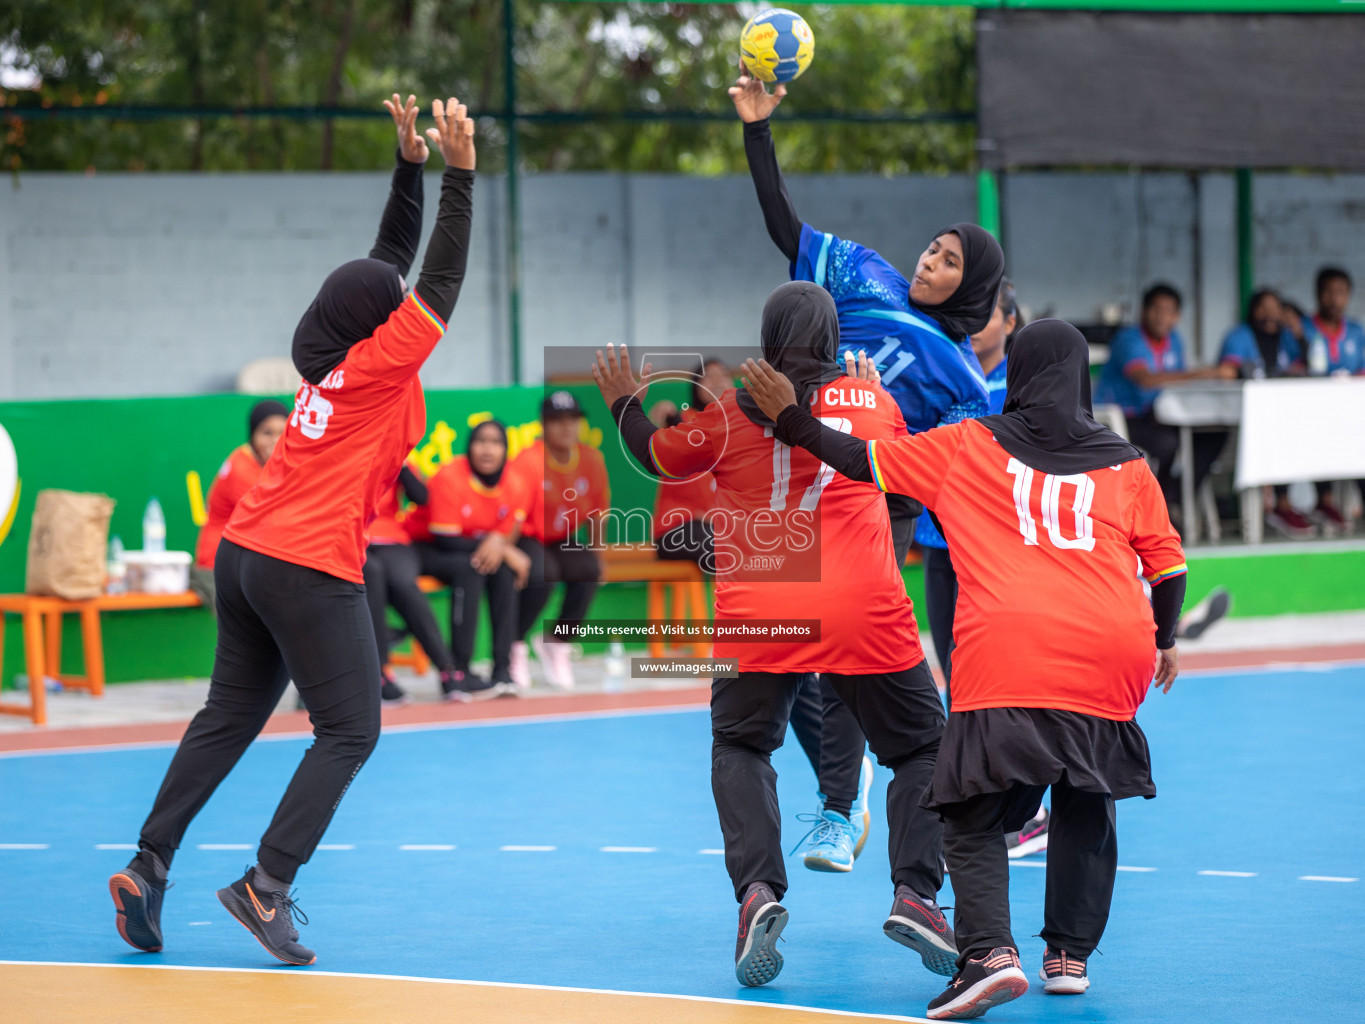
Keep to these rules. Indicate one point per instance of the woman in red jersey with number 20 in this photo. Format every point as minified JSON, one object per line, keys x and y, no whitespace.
{"x":1048,"y":515}
{"x":291,"y":597}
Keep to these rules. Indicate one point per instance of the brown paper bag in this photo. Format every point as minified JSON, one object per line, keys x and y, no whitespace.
{"x":67,"y":544}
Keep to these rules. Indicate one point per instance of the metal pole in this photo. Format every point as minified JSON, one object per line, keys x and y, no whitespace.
{"x":513,"y":241}
{"x":1246,"y":242}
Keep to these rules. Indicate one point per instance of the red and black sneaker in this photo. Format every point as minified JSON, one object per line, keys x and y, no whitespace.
{"x":138,"y":902}
{"x":270,"y":917}
{"x":918,"y":923}
{"x":761,"y":920}
{"x":987,"y":981}
{"x":1062,"y":973}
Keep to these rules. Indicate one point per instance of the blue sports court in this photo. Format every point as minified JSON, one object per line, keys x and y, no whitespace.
{"x":582,"y":852}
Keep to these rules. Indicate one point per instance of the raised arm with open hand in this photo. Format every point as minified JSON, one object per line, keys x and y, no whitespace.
{"x":753,"y":101}
{"x":411,"y":145}
{"x":400,"y":230}
{"x":615,"y":379}
{"x":443,"y":268}
{"x":453,"y":134}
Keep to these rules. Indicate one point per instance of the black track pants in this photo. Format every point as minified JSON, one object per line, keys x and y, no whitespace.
{"x":391,"y":572}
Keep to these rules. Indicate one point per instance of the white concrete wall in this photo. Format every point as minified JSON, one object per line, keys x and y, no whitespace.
{"x":169,"y":284}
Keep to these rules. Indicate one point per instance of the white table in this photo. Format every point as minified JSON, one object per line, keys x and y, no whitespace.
{"x":1210,"y":403}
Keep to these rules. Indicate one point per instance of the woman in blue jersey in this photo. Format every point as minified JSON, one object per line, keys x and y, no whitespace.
{"x":916,"y":331}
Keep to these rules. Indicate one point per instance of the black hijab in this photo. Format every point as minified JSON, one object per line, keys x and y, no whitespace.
{"x":800,"y":336}
{"x":970,"y":306}
{"x":1267,"y":344}
{"x":1047,"y":423}
{"x":487,"y":479}
{"x":351,"y":304}
{"x":262,"y":411}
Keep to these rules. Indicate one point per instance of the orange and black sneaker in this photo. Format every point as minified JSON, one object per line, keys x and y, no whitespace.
{"x":988,"y":980}
{"x":269,"y":916}
{"x":1062,"y":973}
{"x":137,"y":900}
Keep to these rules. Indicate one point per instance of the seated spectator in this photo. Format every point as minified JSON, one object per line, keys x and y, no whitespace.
{"x":391,"y":568}
{"x":681,"y":531}
{"x":1143,"y":359}
{"x":570,"y":495}
{"x":476,"y":511}
{"x":1334,"y":346}
{"x":238,"y":474}
{"x":1267,"y":345}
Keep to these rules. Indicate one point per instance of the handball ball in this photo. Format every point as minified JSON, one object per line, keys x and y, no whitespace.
{"x":776,"y":45}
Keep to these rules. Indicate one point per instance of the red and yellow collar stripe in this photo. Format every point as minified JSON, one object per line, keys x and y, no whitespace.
{"x":1166,"y":574}
{"x":426,"y":311}
{"x":877,"y":477}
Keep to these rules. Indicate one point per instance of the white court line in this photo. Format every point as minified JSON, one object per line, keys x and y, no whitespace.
{"x":116,"y":846}
{"x":1028,"y":863}
{"x":721,"y":853}
{"x":528,"y":849}
{"x":1327,"y":878}
{"x":1229,"y":874}
{"x":630,"y":849}
{"x":302,"y":977}
{"x":427,"y":846}
{"x":1125,"y":867}
{"x":226,"y":846}
{"x":336,"y":846}
{"x":23,"y":846}
{"x":196,"y":923}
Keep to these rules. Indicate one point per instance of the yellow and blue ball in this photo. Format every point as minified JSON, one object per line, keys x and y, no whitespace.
{"x":776,"y":45}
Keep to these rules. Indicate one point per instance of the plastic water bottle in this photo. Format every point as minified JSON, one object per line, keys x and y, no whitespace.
{"x":1317,"y":356}
{"x":117,"y":569}
{"x":616,"y":668}
{"x":153,"y":527}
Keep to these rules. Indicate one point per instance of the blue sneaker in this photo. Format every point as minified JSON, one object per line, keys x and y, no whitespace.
{"x":830,"y":842}
{"x":859,"y":815}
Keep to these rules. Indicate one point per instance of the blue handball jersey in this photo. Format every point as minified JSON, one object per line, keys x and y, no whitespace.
{"x":926,"y":534}
{"x":933,"y":379}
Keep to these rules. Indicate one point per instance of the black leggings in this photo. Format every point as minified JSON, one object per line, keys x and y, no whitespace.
{"x":940,"y":604}
{"x":277,"y":621}
{"x":1082,"y":858}
{"x":693,"y":541}
{"x":578,"y":568}
{"x":831,"y":739}
{"x":391,"y":572}
{"x":903,"y":719}
{"x":450,"y":561}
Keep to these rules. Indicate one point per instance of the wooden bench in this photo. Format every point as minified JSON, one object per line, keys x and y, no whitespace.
{"x":676,"y":594}
{"x":42,"y":633}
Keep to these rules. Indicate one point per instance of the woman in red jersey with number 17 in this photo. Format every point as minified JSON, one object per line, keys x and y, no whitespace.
{"x":1048,"y":515}
{"x":291,"y":594}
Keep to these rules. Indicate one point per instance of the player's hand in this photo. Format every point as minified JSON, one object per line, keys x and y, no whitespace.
{"x":453,"y":134}
{"x":660,"y":412}
{"x":615,"y":379}
{"x":753,"y":101}
{"x":770,"y":389}
{"x":862,"y":368}
{"x":519,"y":562}
{"x":1167,"y":668}
{"x":488,"y":556}
{"x":410,"y":144}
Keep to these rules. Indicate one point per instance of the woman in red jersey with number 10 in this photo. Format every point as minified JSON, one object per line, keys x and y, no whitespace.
{"x":1048,"y":515}
{"x":291,"y":595}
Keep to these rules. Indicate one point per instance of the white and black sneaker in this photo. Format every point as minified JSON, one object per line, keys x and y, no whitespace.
{"x":761,"y":920}
{"x":1203,"y":615}
{"x":918,"y":923}
{"x":1063,"y":974}
{"x":987,"y":981}
{"x":1032,"y":838}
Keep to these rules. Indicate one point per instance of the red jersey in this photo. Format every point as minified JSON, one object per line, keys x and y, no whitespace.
{"x":561,"y":498}
{"x":238,"y":474}
{"x":389,"y":526}
{"x":342,"y":450}
{"x":797,"y":541}
{"x":679,"y":502}
{"x":1050,"y":610}
{"x":462,"y":506}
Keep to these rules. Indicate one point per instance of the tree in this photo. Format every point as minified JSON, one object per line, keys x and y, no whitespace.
{"x":585,"y":73}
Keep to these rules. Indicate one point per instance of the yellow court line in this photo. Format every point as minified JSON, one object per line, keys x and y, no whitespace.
{"x":139,"y":994}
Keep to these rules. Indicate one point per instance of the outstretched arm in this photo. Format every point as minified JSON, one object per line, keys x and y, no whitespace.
{"x":623,"y":394}
{"x":400,"y":230}
{"x":755,"y":104}
{"x":443,"y":268}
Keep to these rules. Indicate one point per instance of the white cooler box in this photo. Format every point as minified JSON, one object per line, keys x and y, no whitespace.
{"x":157,"y":572}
